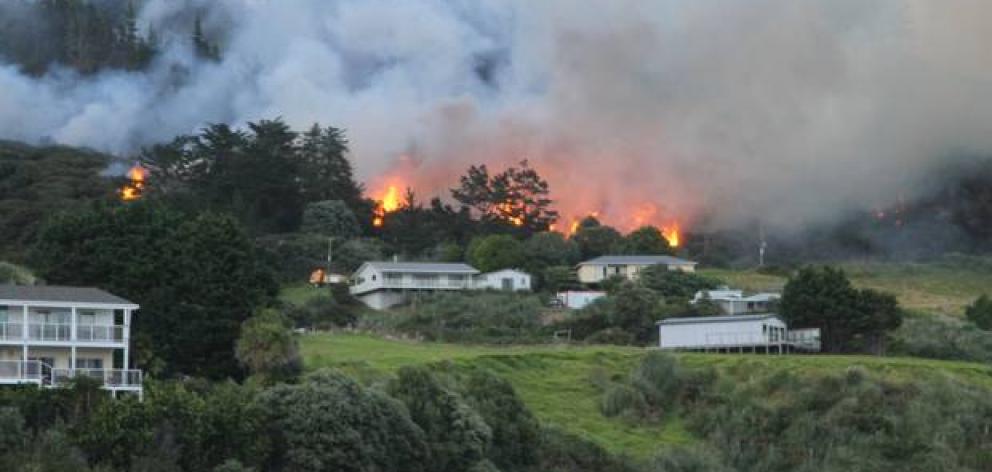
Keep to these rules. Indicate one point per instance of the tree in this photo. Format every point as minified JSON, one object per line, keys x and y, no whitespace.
{"x":824,"y":298}
{"x":515,"y":430}
{"x":514,"y":198}
{"x":980,"y":312}
{"x":202,"y":47}
{"x":197,"y":278}
{"x":644,"y":240}
{"x":596,"y":240}
{"x":330,"y":422}
{"x":495,"y":252}
{"x":330,"y":218}
{"x":456,"y":435}
{"x":268,"y":348}
{"x":675,"y":284}
{"x":549,"y":249}
{"x":325,"y":171}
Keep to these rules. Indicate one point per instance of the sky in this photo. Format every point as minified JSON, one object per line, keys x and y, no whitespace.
{"x":712,"y":113}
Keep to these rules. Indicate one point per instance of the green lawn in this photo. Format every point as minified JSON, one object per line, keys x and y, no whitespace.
{"x":557,"y":382}
{"x":298,"y":294}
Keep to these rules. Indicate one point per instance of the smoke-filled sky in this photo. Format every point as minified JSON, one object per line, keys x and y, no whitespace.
{"x":785,"y":111}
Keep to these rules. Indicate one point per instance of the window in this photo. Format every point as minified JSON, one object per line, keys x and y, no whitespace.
{"x":3,"y":313}
{"x":87,"y":317}
{"x":89,"y":363}
{"x":373,"y":277}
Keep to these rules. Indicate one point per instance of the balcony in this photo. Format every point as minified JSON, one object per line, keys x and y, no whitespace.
{"x":18,"y":372}
{"x":62,"y":332}
{"x":111,"y":379}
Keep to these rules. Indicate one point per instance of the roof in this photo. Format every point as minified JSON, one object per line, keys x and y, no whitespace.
{"x":516,"y":271}
{"x":637,"y":260}
{"x":60,"y":294}
{"x":425,"y":267}
{"x":717,"y":319}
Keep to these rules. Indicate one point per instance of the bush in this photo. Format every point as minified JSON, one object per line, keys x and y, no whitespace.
{"x":515,"y":431}
{"x":491,"y":317}
{"x":323,"y":312}
{"x":674,"y":283}
{"x":941,"y":337}
{"x":329,"y":422}
{"x":623,"y":399}
{"x":980,"y":312}
{"x":456,"y":436}
{"x":681,"y":459}
{"x":658,"y":377}
{"x":15,"y":274}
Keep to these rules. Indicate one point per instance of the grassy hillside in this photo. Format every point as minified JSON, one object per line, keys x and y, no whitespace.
{"x":559,"y":383}
{"x":941,"y":287}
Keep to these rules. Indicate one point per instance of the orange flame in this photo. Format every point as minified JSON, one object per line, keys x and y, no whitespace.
{"x":135,"y":188}
{"x":672,"y":233}
{"x":389,"y":203}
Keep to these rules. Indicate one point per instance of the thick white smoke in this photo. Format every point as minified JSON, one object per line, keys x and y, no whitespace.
{"x":788,"y":111}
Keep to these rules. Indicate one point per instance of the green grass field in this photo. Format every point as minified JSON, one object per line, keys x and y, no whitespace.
{"x":945,"y":287}
{"x":557,"y":382}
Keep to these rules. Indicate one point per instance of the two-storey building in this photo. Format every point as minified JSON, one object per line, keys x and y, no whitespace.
{"x":381,"y":285}
{"x":50,"y":334}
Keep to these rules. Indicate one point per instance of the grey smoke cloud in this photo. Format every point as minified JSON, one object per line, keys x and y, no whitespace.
{"x":790,"y":111}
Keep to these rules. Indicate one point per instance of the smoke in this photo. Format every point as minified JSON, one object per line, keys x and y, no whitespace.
{"x":790,"y":112}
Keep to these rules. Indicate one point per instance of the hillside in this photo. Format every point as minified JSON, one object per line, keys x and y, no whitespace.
{"x":944,"y":286}
{"x":562,"y":385}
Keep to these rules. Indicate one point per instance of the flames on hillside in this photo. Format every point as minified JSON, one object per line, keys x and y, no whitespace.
{"x":388,"y":200}
{"x":137,"y":177}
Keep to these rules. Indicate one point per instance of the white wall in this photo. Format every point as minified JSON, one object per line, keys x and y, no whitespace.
{"x":579,"y":300}
{"x":382,"y":299}
{"x":494,"y":280}
{"x":712,"y":334}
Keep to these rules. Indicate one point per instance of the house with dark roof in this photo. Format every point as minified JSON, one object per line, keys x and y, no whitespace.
{"x":604,"y":267}
{"x":51,"y":334}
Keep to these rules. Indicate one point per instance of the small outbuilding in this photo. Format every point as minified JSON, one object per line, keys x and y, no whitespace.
{"x":765,"y":332}
{"x":510,"y":280}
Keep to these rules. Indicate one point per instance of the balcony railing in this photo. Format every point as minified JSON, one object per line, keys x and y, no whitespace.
{"x":20,"y":372}
{"x":61,"y":332}
{"x":110,"y":378}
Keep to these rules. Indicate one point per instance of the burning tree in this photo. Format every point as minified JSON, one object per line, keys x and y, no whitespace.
{"x":516,"y":197}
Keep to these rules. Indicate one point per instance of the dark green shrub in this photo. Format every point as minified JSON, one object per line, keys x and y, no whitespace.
{"x":515,"y":430}
{"x":623,"y":399}
{"x":980,"y":312}
{"x":674,"y":284}
{"x":490,"y":317}
{"x":658,"y":378}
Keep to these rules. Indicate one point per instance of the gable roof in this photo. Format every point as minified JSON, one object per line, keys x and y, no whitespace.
{"x":717,"y":319}
{"x":60,"y":294}
{"x":422,"y":267}
{"x":637,"y":260}
{"x":502,"y":271}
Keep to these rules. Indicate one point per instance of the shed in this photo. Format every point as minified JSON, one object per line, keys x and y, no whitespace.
{"x":719,"y":332}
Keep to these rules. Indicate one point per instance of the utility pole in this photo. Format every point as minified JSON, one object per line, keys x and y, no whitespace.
{"x":761,"y":245}
{"x":330,"y":253}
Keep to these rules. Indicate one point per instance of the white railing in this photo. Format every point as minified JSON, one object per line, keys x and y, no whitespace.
{"x":99,"y":333}
{"x":110,"y":378}
{"x":20,"y":372}
{"x":11,"y":331}
{"x":61,"y":332}
{"x":50,"y":331}
{"x":411,"y":285}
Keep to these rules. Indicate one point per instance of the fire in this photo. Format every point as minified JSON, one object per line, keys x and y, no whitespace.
{"x":389,"y":203}
{"x":507,"y":212}
{"x":672,"y":233}
{"x":135,"y":188}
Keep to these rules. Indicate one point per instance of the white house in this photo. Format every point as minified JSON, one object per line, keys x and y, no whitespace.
{"x":603,"y":267}
{"x":381,"y":285}
{"x":736,"y":332}
{"x":50,"y":334}
{"x":507,"y":279}
{"x":734,"y":302}
{"x":578,"y":299}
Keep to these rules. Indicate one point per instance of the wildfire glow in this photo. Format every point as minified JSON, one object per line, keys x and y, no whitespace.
{"x":672,"y":233}
{"x":388,"y":203}
{"x":134,"y":189}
